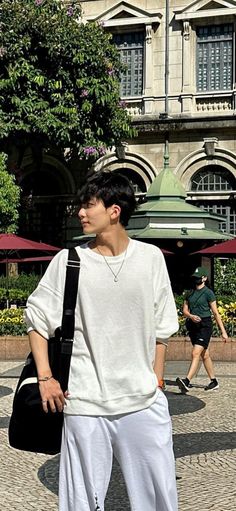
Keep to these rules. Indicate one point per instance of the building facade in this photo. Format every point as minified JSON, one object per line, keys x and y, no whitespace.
{"x":180,"y":87}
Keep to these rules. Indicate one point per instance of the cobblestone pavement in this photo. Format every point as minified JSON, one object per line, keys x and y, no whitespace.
{"x":204,"y":442}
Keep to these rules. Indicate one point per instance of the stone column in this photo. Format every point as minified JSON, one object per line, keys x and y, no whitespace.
{"x":148,"y":71}
{"x":187,"y":66}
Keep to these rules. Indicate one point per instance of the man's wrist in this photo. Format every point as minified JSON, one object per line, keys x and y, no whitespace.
{"x":161,"y":383}
{"x":45,"y":378}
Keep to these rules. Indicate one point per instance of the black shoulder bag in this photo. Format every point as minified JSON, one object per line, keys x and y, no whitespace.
{"x":30,"y":428}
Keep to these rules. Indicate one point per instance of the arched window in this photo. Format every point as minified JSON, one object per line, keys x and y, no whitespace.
{"x":215,"y":179}
{"x":135,"y":178}
{"x":212,"y":179}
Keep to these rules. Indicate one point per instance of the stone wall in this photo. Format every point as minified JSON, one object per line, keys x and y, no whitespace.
{"x":17,"y":348}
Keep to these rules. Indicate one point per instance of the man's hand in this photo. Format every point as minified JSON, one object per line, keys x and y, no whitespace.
{"x":52,"y":395}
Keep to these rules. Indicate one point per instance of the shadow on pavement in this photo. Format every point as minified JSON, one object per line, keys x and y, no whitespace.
{"x":4,"y":422}
{"x":5,"y":391}
{"x":183,"y":403}
{"x":14,"y":372}
{"x":197,"y":443}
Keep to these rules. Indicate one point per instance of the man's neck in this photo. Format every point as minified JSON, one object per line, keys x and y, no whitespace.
{"x":111,"y":243}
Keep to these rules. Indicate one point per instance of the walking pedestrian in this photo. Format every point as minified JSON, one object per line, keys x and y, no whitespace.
{"x":125,"y":314}
{"x":199,"y":305}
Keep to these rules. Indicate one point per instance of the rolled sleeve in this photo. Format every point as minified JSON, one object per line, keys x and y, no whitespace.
{"x":165,"y":312}
{"x":166,"y":318}
{"x":44,"y":306}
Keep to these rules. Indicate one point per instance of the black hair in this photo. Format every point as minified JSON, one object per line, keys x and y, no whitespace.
{"x":111,"y":188}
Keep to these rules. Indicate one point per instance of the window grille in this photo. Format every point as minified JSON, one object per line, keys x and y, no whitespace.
{"x":214,"y":57}
{"x":212,"y":180}
{"x":131,"y":48}
{"x":215,"y":179}
{"x":228,"y":225}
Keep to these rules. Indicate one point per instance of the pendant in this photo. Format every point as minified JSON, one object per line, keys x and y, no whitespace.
{"x":115,"y":279}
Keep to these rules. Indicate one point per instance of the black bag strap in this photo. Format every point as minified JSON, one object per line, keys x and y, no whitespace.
{"x":68,"y":317}
{"x":70,"y":295}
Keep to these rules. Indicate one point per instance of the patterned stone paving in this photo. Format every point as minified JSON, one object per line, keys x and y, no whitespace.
{"x":204,"y":442}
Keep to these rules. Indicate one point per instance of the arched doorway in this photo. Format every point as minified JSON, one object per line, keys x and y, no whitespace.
{"x":46,"y":197}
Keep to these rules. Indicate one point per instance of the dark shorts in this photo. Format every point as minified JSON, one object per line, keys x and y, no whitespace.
{"x":200,"y":333}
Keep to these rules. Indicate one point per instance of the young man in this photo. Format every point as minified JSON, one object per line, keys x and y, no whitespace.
{"x":125,"y":314}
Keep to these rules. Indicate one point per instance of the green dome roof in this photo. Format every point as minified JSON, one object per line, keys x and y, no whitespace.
{"x":166,"y":184}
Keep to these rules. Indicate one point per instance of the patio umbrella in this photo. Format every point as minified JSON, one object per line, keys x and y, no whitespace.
{"x":10,"y":243}
{"x":26,"y":259}
{"x":227,"y":248}
{"x":13,"y":247}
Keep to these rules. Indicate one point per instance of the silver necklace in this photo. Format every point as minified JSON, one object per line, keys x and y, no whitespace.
{"x":115,"y":275}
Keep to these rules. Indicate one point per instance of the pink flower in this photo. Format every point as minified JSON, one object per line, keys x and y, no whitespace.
{"x":84,"y":93}
{"x":70,"y":11}
{"x":38,"y":2}
{"x":90,"y":150}
{"x":102,"y":151}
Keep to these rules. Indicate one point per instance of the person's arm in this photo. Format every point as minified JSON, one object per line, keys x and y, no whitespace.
{"x":219,"y":321}
{"x":187,"y":313}
{"x":159,"y":362}
{"x":165,"y":314}
{"x":50,"y":390}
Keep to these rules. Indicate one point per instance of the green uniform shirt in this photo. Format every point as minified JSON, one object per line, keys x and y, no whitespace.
{"x":199,"y":300}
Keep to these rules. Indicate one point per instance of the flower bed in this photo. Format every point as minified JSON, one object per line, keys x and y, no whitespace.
{"x":228,"y":316}
{"x":12,"y":322}
{"x":14,"y":344}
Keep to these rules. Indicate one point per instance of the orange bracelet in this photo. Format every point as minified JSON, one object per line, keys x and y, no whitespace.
{"x":161,"y":383}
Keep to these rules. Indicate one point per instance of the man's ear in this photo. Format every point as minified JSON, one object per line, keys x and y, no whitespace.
{"x":115,"y":212}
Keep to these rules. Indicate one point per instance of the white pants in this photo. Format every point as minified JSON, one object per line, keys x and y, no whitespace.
{"x":141,"y":443}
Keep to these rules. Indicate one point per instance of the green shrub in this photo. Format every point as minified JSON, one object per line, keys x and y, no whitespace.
{"x":227,"y":310}
{"x":19,"y":288}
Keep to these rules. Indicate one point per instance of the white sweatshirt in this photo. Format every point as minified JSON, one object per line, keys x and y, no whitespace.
{"x":116,"y":326}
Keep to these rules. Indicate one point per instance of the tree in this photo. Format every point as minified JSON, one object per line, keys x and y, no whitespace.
{"x":9,"y":198}
{"x":59,"y":79}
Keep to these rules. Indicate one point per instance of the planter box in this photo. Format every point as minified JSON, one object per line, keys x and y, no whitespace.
{"x":179,"y":348}
{"x":14,"y":348}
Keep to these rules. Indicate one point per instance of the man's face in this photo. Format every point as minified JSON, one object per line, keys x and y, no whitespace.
{"x":94,"y":217}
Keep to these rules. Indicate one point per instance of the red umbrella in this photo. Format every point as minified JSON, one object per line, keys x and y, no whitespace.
{"x":227,"y":248}
{"x":12,"y":242}
{"x":166,"y":252}
{"x":13,"y":247}
{"x":27,"y":259}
